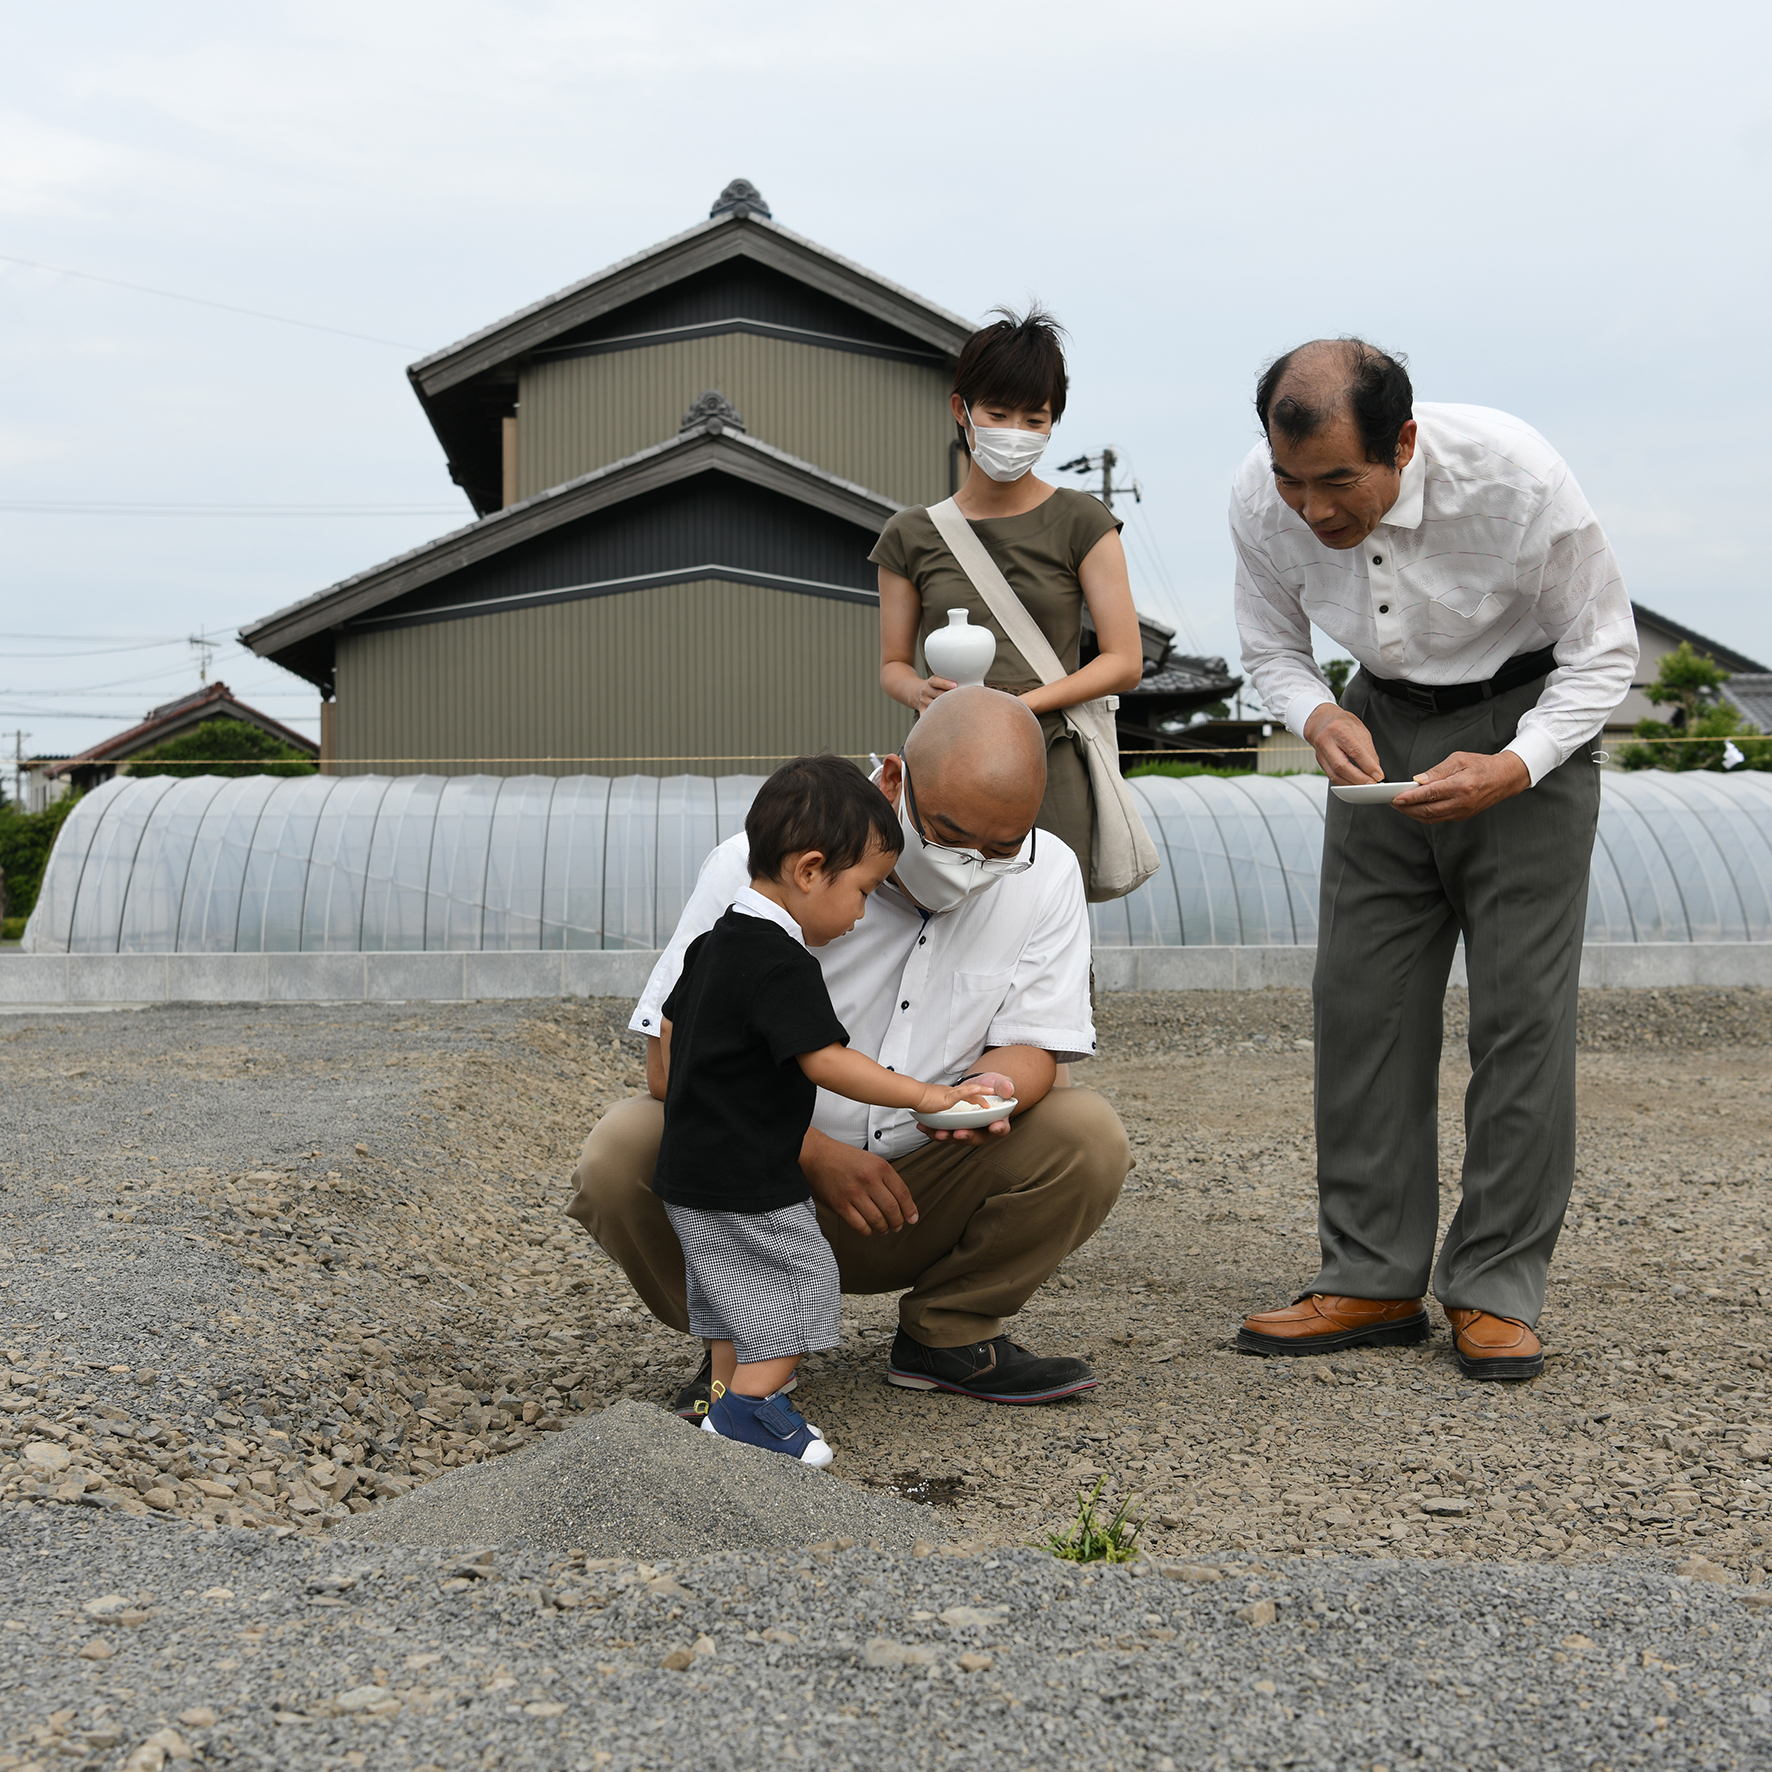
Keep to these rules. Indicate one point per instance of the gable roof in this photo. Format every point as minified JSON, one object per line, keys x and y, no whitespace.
{"x":1751,"y":693}
{"x":708,"y":243}
{"x":1726,"y":656}
{"x":465,"y":386}
{"x":300,"y":636}
{"x":217,"y":702}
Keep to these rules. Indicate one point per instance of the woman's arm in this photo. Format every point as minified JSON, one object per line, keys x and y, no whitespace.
{"x":844,"y":1071}
{"x":658,"y":1062}
{"x":1119,"y":665}
{"x":901,"y":614}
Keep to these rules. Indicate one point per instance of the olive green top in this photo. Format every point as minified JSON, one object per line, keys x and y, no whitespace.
{"x":1038,"y":552}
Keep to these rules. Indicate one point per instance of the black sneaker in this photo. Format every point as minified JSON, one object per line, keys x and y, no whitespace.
{"x":693,"y":1401}
{"x":997,"y":1371}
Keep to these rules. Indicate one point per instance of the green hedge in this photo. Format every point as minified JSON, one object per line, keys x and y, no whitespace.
{"x":26,"y":839}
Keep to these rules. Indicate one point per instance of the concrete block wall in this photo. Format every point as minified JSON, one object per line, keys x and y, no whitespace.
{"x":101,"y":981}
{"x":82,"y":981}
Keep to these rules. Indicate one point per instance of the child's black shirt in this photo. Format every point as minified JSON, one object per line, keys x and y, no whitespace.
{"x":750,"y":999}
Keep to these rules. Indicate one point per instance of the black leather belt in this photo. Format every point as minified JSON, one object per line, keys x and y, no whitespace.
{"x":1452,"y":696}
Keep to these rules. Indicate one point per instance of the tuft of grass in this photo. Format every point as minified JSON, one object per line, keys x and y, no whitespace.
{"x":1089,"y":1541}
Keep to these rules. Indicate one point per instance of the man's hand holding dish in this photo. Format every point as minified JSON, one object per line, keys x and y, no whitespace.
{"x":1464,"y":784}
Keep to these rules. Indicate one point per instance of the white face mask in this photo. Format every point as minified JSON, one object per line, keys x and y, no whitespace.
{"x":941,"y":879}
{"x":1004,"y":454}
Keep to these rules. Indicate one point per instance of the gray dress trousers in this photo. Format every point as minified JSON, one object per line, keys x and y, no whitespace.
{"x":1396,"y":895}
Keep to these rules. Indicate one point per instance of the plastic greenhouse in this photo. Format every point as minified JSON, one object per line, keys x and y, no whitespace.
{"x":272,"y":864}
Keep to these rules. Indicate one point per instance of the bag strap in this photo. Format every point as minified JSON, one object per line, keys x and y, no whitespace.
{"x":998,"y":594}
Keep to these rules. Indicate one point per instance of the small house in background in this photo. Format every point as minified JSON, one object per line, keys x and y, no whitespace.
{"x":678,"y":467}
{"x":49,"y":780}
{"x":1749,"y":686}
{"x":1263,"y":745}
{"x":33,"y":784}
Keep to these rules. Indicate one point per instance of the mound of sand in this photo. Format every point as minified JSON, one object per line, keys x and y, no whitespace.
{"x":633,"y":1480}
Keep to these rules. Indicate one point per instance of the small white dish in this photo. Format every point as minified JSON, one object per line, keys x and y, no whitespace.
{"x":968,"y":1119}
{"x":1371,"y":793}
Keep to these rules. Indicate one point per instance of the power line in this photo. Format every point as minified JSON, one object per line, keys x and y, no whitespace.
{"x":134,"y":714}
{"x":47,"y":507}
{"x":181,"y":669}
{"x":95,"y":714}
{"x":139,"y":639}
{"x":1144,"y":538}
{"x":202,"y":301}
{"x":89,"y":651}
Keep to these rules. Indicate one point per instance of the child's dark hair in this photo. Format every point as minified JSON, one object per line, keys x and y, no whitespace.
{"x":822,"y":803}
{"x":1018,"y":360}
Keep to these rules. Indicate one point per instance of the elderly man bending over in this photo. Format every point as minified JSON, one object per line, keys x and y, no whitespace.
{"x":973,"y":956}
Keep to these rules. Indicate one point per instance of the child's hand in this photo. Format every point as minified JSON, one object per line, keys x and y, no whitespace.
{"x":937,"y":1098}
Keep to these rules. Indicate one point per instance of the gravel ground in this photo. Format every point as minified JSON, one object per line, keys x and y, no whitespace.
{"x":246,"y":1652}
{"x":633,"y":1481}
{"x":264,"y":1269}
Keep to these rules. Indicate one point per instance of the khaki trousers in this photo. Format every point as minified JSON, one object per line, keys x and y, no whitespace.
{"x":993,"y":1221}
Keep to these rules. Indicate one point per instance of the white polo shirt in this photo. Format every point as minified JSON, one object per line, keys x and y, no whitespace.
{"x":1489,"y":551}
{"x":926,"y":995}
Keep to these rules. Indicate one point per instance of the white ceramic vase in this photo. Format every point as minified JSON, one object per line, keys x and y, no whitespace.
{"x":960,"y":652}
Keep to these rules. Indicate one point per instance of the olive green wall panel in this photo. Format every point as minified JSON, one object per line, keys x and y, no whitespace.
{"x":724,"y":678}
{"x":880,"y":423}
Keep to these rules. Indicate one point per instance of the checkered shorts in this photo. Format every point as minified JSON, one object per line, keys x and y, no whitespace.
{"x":765,"y":1281}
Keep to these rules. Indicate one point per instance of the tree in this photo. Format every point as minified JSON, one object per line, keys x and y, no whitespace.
{"x":26,"y":839}
{"x":223,"y":747}
{"x":1336,"y":673}
{"x":1692,"y":681}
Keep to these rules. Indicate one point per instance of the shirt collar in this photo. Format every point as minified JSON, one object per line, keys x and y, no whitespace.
{"x":751,"y":903}
{"x":1406,"y":512}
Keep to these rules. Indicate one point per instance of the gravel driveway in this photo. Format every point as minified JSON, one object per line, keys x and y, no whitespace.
{"x":262,"y":1268}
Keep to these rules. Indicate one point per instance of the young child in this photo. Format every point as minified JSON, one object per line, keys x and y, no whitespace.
{"x":749,"y":1036}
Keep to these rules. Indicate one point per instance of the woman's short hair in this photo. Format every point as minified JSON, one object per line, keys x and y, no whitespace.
{"x":823,"y":803}
{"x":1018,"y":360}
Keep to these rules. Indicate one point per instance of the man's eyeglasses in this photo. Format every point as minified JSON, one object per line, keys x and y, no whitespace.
{"x":999,"y":869}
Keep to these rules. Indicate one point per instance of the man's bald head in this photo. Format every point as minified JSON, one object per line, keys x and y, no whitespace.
{"x":1312,"y":386}
{"x":977,"y":759}
{"x":994,"y":738}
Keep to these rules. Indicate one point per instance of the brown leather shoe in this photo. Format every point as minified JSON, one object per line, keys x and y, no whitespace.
{"x":1494,"y":1347}
{"x":1324,"y":1323}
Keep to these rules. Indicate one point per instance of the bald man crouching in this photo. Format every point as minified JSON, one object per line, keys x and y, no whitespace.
{"x":973,"y":956}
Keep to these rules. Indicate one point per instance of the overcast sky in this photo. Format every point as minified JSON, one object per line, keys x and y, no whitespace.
{"x":1556,"y":209}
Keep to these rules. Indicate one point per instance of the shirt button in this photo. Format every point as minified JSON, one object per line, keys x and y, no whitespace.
{"x":1378,"y":559}
{"x":922,"y":940}
{"x":644,"y":1022}
{"x":1384,"y":609}
{"x":879,"y":1134}
{"x":905,"y":1004}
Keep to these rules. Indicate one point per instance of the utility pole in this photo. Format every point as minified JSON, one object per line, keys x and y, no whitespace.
{"x":18,"y":770}
{"x":1104,"y":465}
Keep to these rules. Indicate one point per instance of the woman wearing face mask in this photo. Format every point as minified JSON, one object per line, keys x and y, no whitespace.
{"x":1058,"y":548}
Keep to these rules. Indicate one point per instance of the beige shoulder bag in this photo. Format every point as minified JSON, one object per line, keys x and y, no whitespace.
{"x":1125,"y":857}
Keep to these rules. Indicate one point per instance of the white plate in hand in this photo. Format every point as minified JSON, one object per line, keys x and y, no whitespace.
{"x":967,"y":1119}
{"x":1371,"y":793}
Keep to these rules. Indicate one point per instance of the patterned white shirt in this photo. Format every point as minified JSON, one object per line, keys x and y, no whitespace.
{"x":1489,"y":551}
{"x":925,"y":995}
